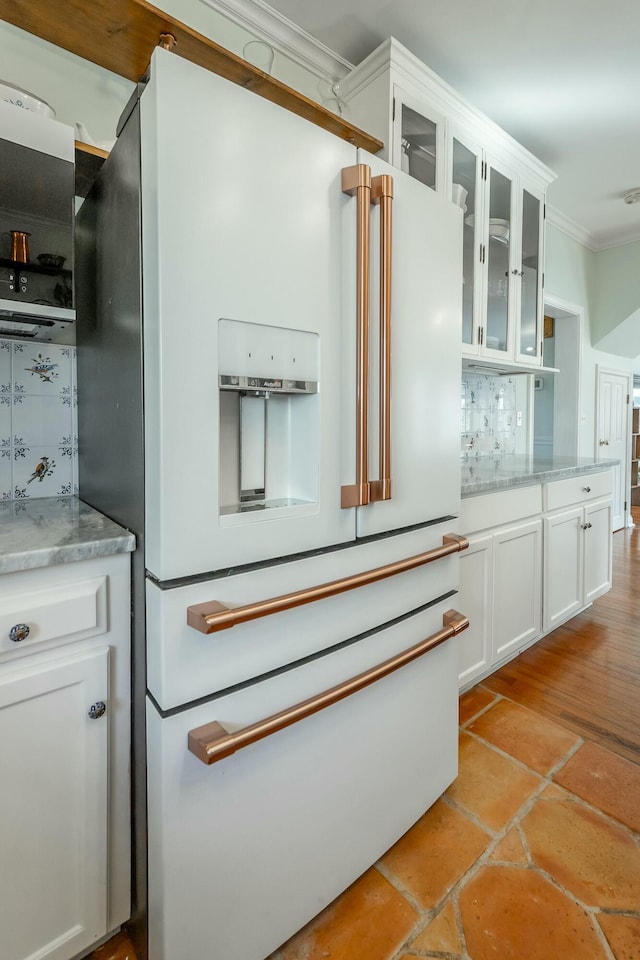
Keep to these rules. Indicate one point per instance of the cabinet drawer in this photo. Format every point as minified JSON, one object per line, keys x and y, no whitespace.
{"x":503,"y":506}
{"x":321,"y":800}
{"x":184,"y":664}
{"x":72,"y":611}
{"x":564,"y":493}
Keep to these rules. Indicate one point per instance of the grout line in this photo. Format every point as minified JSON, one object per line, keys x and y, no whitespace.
{"x":483,"y":710}
{"x":425,"y":914}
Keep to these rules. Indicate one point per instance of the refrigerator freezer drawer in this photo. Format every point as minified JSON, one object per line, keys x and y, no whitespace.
{"x":184,"y":664}
{"x":244,"y":852}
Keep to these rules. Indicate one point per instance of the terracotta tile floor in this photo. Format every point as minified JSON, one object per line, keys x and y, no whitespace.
{"x":532,"y":854}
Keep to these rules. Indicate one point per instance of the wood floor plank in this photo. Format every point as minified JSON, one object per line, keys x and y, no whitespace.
{"x":586,"y":674}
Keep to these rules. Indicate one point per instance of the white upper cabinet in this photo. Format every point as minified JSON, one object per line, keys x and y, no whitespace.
{"x":443,"y":141}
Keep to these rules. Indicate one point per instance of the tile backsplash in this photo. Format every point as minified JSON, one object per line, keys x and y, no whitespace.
{"x":38,"y":420}
{"x":488,"y":416}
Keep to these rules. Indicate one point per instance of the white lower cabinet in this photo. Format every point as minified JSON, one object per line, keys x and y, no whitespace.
{"x":53,"y":806}
{"x":577,"y":560}
{"x":476,"y":581}
{"x":537,"y":556}
{"x":64,"y":757}
{"x":500,"y":587}
{"x":517,"y":587}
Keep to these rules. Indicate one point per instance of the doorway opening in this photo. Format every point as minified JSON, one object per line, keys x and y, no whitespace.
{"x":556,"y":397}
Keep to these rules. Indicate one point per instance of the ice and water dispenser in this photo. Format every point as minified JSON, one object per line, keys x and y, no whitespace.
{"x":268,"y":379}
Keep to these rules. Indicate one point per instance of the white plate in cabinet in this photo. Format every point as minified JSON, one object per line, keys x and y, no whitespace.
{"x":53,"y":806}
{"x":517,"y":587}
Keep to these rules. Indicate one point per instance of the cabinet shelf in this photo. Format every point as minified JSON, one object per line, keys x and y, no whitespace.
{"x":35,"y":268}
{"x":120,"y":35}
{"x":88,"y":162}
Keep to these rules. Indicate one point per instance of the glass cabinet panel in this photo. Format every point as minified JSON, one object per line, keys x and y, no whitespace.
{"x":498,"y":260}
{"x":464,"y":193}
{"x":418,"y":145}
{"x":529,"y":334}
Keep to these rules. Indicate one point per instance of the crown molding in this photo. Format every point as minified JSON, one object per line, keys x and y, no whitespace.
{"x":569,"y":227}
{"x":284,"y":35}
{"x":589,"y":240}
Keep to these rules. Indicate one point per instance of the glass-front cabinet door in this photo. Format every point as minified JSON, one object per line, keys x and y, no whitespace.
{"x":496,"y":337}
{"x":466,"y":192}
{"x":529,"y":339}
{"x":418,"y":140}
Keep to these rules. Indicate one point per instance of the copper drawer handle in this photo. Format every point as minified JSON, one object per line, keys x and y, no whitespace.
{"x":212,"y":616}
{"x":212,"y":742}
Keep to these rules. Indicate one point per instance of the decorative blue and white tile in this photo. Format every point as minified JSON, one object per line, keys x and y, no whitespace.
{"x":41,"y":472}
{"x":42,"y":369}
{"x":5,"y":477}
{"x":5,"y":367}
{"x":42,"y":421}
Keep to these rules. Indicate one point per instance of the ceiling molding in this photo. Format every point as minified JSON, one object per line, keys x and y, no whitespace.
{"x":284,"y":36}
{"x":568,"y":226}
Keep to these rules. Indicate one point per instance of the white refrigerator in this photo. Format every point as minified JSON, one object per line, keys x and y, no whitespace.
{"x":268,"y":332}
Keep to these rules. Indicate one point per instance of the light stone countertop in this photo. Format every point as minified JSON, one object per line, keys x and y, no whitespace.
{"x":42,"y":533}
{"x":485,"y":475}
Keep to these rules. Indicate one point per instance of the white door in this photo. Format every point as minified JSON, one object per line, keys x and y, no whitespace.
{"x":53,"y":807}
{"x":426,"y":308}
{"x":613,"y":435}
{"x":564,"y":536}
{"x":517,"y":587}
{"x":242,"y":221}
{"x":474,"y":645}
{"x":597,"y":550}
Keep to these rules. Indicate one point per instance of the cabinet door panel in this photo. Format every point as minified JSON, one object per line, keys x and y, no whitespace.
{"x":53,"y":808}
{"x":517,"y":595}
{"x":563,"y":570}
{"x":597,"y":550}
{"x":474,"y":649}
{"x":418,"y":140}
{"x":466,"y":191}
{"x":500,"y":307}
{"x":529,"y":271}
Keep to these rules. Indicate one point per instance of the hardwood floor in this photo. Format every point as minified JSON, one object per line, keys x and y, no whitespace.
{"x":586,"y":674}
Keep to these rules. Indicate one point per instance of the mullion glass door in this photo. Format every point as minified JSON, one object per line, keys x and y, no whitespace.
{"x":498,"y":257}
{"x":529,"y":335}
{"x":466,"y":193}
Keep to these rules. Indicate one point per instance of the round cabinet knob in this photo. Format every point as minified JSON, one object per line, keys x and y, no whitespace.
{"x":19,"y":632}
{"x":587,"y":489}
{"x":97,"y":710}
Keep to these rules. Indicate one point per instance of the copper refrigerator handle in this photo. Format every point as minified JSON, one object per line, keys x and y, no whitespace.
{"x":212,"y":742}
{"x":356,"y":181}
{"x":212,"y":616}
{"x":382,"y":193}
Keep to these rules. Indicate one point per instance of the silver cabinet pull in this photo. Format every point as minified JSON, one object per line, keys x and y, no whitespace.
{"x":212,"y":616}
{"x":587,"y":489}
{"x":212,"y":742}
{"x":97,"y":709}
{"x":19,"y":632}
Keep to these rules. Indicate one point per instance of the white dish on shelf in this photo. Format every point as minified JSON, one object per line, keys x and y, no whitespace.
{"x":499,"y":230}
{"x":25,"y":100}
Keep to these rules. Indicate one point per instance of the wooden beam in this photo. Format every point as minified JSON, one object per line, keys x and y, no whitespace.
{"x":120,"y":35}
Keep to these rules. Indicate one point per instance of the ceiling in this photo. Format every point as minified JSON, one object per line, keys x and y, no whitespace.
{"x":561,"y":76}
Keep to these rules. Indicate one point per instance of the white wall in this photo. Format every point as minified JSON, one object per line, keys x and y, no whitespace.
{"x":571,"y":275}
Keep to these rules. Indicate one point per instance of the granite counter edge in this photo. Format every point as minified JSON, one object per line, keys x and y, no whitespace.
{"x":475,"y":487}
